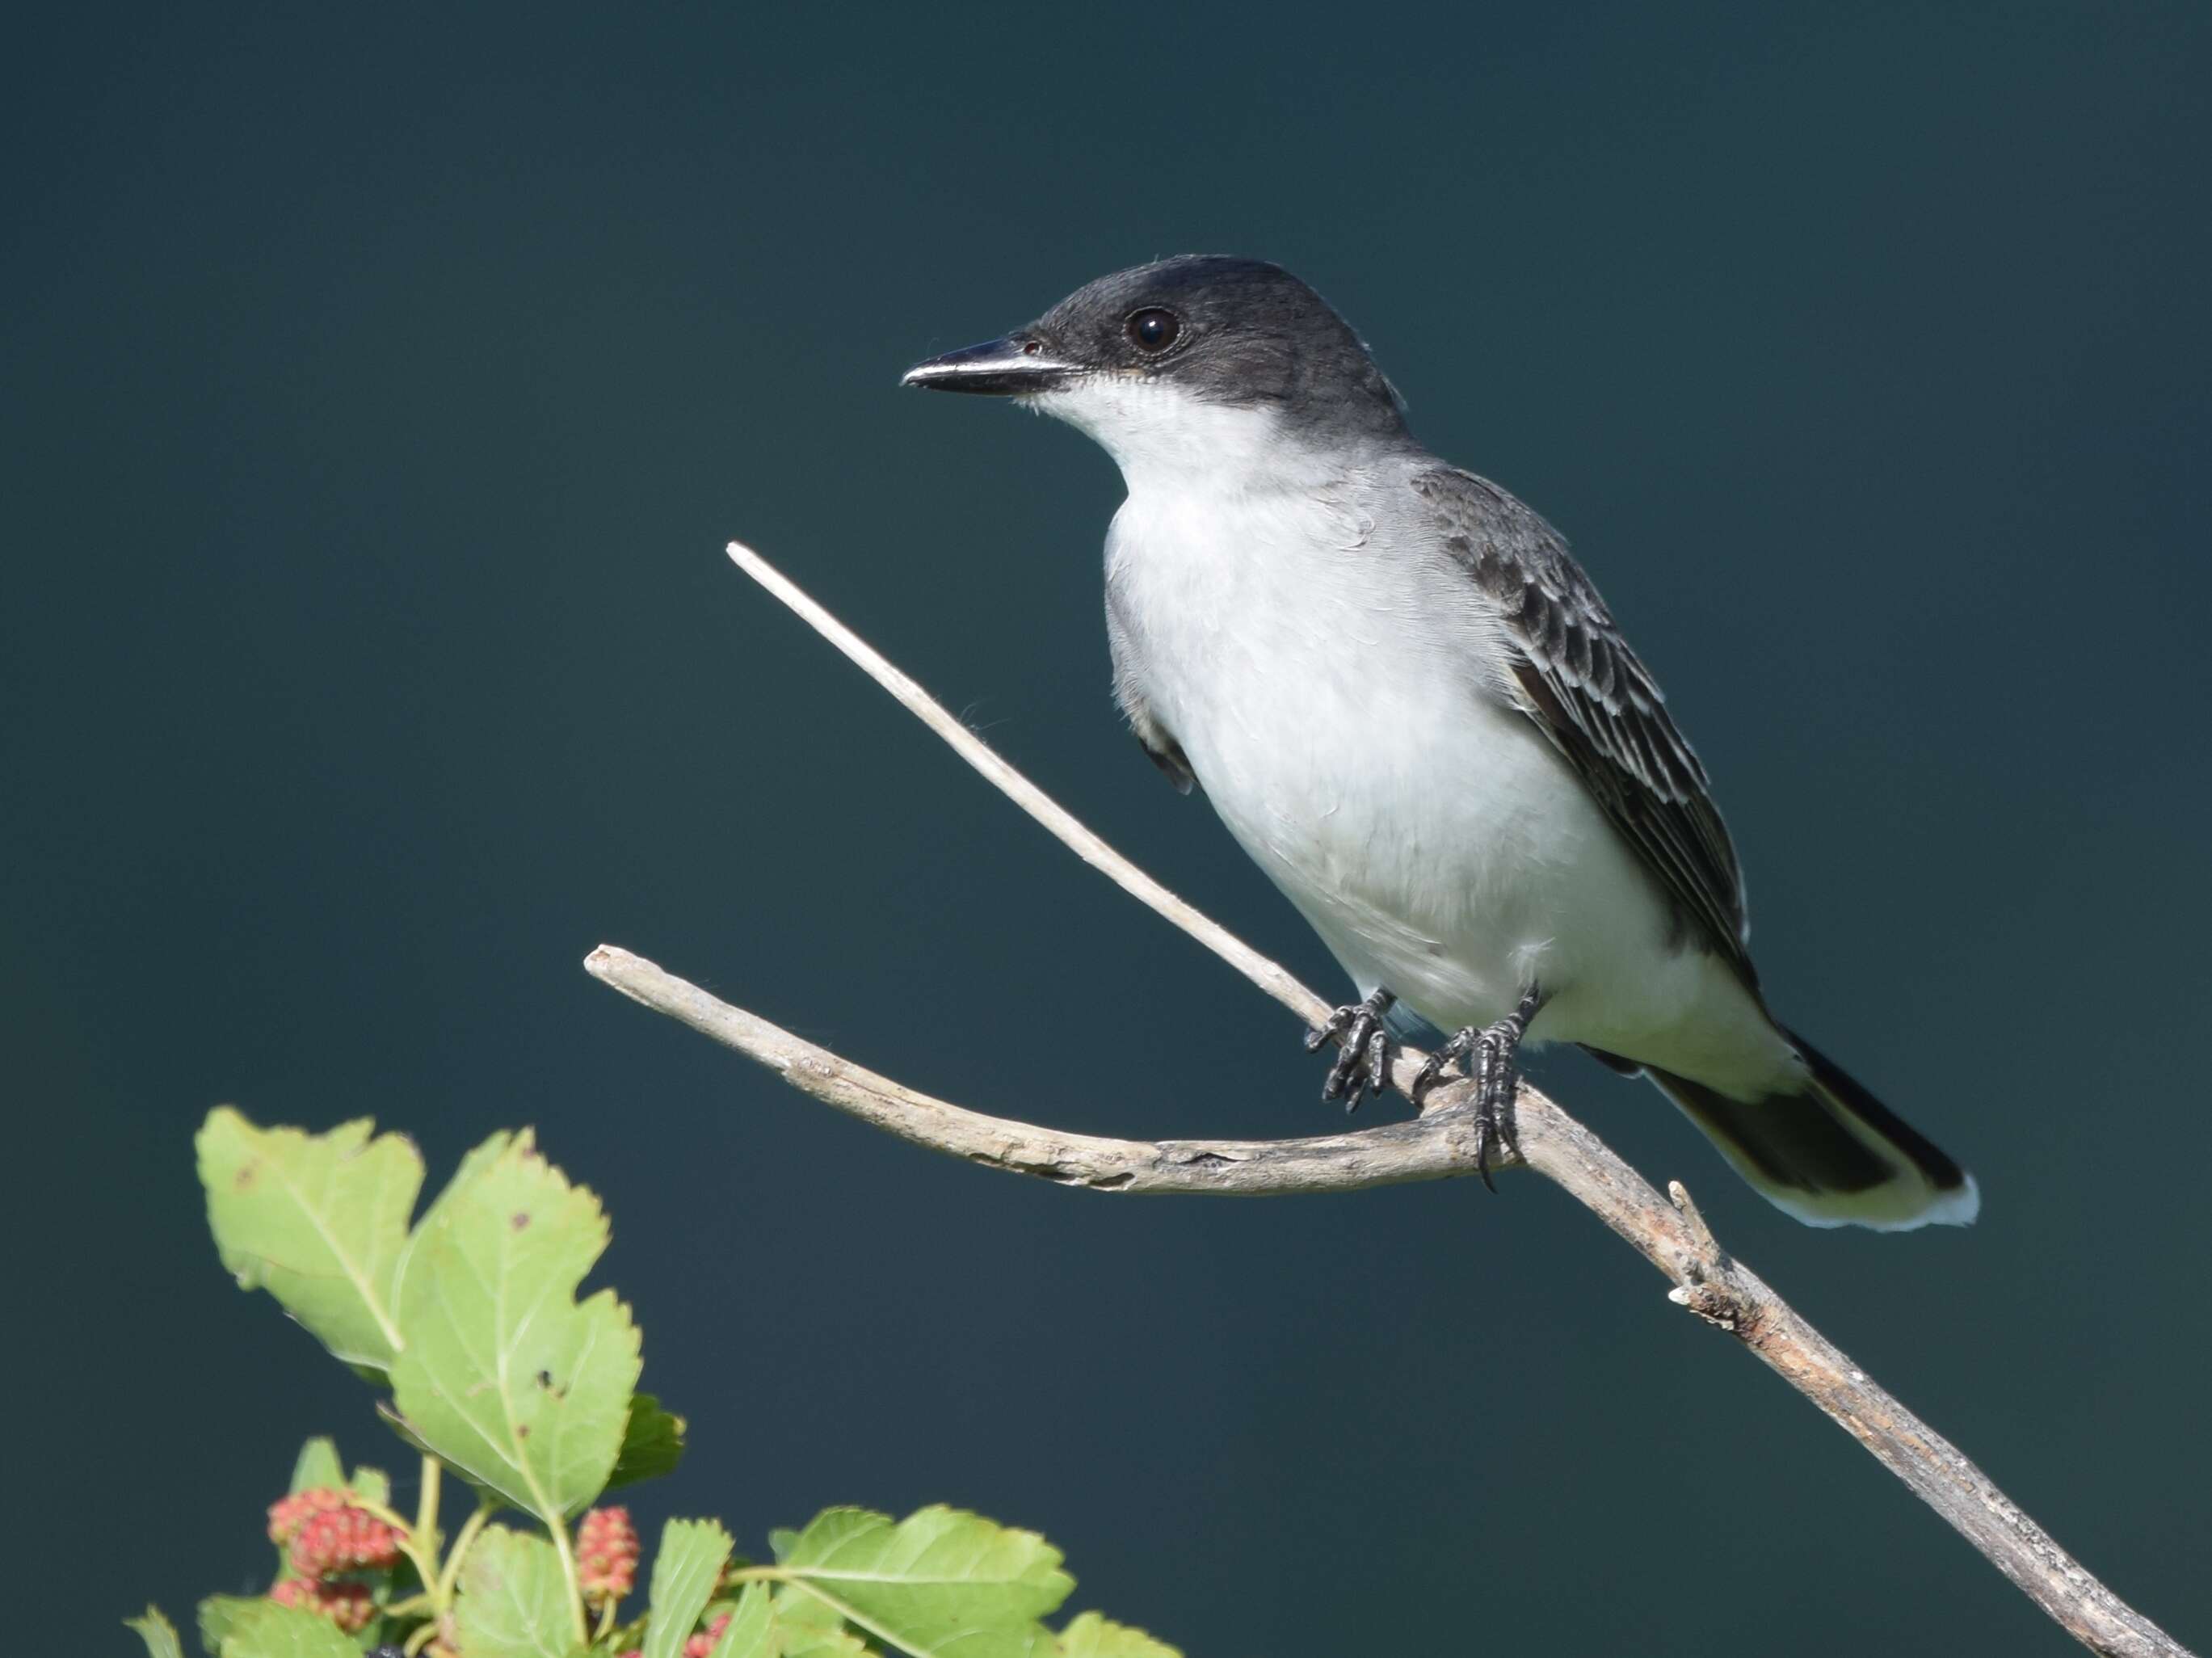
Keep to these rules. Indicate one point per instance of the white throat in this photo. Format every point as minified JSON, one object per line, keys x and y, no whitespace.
{"x":1164,"y":439}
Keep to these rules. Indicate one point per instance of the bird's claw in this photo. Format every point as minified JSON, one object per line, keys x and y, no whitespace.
{"x":1490,"y":1058}
{"x":1498,"y":1081}
{"x":1365,"y":1049}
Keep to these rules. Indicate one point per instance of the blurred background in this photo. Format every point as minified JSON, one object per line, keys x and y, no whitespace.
{"x":379,"y":387}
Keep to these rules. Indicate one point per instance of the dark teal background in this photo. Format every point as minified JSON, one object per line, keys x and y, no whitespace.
{"x":379,"y":388}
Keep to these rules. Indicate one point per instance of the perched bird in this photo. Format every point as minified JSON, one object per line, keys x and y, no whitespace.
{"x":1409,"y":705}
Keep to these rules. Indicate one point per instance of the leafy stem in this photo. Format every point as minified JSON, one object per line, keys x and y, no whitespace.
{"x":426,"y":1506}
{"x":558,"y":1528}
{"x":452,"y":1575}
{"x":506,"y":1381}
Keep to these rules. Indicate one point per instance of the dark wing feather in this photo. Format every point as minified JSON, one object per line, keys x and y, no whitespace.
{"x":1575,"y":676}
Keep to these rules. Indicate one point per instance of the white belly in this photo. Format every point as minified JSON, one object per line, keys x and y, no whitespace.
{"x":1339,"y":709}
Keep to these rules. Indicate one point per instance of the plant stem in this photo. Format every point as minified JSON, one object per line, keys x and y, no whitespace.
{"x":426,"y":1507}
{"x":566,"y":1549}
{"x":452,"y":1575}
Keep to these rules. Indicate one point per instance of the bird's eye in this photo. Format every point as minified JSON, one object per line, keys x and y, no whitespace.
{"x":1153,"y":329}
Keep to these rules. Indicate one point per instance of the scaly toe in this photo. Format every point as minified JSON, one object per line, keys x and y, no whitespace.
{"x":1457,"y":1047}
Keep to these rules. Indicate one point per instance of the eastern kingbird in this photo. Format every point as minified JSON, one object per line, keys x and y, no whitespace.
{"x":1410,"y":705}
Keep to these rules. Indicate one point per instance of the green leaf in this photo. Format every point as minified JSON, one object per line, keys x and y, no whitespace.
{"x":805,"y":1628}
{"x":219,"y":1615}
{"x":317,"y":1465}
{"x":941,"y":1583}
{"x":159,"y":1634}
{"x":751,"y":1630}
{"x":405,"y":1429}
{"x":806,"y":1641}
{"x":685,"y":1570}
{"x":513,"y":1600}
{"x":653,"y":1442}
{"x":1093,"y":1636}
{"x":796,"y":1608}
{"x":472,"y":1167}
{"x":317,"y":1220}
{"x":262,"y":1629}
{"x":505,"y":1375}
{"x":374,"y":1484}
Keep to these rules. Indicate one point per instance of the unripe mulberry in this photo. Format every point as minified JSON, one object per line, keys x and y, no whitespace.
{"x":606,"y":1555}
{"x":287,"y":1514}
{"x":349,"y":1606}
{"x":334,"y":1540}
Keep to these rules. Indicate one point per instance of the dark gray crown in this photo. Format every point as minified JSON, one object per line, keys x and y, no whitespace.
{"x":1250,"y":334}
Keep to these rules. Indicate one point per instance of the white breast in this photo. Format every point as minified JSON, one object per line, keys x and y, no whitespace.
{"x":1340,"y":690}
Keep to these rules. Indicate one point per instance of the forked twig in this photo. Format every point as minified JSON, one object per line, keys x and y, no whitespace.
{"x":1439,"y":1143}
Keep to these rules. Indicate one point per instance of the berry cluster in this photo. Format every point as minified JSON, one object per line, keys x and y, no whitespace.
{"x":348,"y":1605}
{"x":287,"y":1514}
{"x":325,"y":1537}
{"x":606,"y":1555}
{"x":344,"y":1540}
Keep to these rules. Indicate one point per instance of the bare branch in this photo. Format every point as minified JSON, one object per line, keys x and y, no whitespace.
{"x":1667,"y":1231}
{"x":1439,"y":1146}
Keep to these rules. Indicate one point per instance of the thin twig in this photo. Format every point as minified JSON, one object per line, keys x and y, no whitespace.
{"x":1671,"y":1234}
{"x":1030,"y":799}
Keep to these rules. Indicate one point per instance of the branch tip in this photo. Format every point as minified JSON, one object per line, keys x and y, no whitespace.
{"x":1712,"y":1259}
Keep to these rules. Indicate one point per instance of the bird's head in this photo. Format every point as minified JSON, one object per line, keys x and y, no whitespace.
{"x":1183,"y":362}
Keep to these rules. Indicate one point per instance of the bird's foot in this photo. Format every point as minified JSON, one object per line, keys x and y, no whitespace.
{"x":1491,"y":1057}
{"x":1497,"y":1081}
{"x":1364,"y":1048}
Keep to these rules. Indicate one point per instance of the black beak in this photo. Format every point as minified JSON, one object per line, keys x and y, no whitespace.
{"x":1007,"y":367}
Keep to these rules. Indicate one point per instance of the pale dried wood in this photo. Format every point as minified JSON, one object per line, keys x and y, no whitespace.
{"x":1667,"y":1231}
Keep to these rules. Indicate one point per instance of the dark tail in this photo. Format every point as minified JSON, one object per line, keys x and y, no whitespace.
{"x":1833,"y":1155}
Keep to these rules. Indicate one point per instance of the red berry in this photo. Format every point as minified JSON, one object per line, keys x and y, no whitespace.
{"x":334,"y":1540}
{"x":606,"y":1554}
{"x":701,"y":1645}
{"x":349,"y":1606}
{"x":287,"y":1514}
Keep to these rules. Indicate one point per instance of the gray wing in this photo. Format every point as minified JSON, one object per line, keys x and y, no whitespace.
{"x":1575,"y":676}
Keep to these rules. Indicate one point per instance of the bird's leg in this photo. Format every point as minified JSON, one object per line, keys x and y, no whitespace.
{"x":1362,"y":1060}
{"x":1492,"y":1057}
